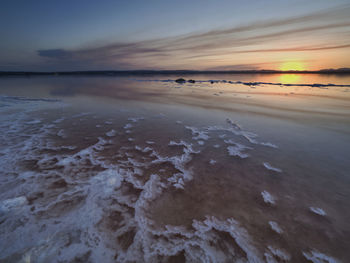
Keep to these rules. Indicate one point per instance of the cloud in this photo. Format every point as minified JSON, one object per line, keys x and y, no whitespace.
{"x":197,"y":50}
{"x":55,"y":53}
{"x":296,"y":49}
{"x":119,"y":54}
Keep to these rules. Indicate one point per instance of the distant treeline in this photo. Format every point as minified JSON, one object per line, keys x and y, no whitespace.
{"x":167,"y":72}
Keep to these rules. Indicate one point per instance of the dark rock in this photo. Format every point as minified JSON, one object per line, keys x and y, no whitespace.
{"x":191,"y":81}
{"x":180,"y":80}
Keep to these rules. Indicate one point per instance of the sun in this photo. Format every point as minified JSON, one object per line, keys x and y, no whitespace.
{"x":292,"y":65}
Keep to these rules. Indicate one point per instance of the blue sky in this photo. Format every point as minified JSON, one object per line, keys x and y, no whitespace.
{"x":98,"y":35}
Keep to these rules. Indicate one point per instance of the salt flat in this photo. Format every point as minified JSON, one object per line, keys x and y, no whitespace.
{"x":129,"y":169}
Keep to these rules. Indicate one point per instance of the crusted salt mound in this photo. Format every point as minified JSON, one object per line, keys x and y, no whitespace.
{"x":318,"y":211}
{"x":269,"y":167}
{"x":233,"y":124}
{"x":128,"y":126}
{"x":275,"y":255}
{"x":237,"y":151}
{"x":230,"y":141}
{"x":59,"y":120}
{"x":135,"y":119}
{"x":275,"y":227}
{"x":179,"y":163}
{"x":62,"y":133}
{"x":269,"y":144}
{"x":268,"y":198}
{"x":317,"y":257}
{"x":13,"y":203}
{"x":198,"y":134}
{"x":111,"y":178}
{"x":237,"y":130}
{"x":238,"y":234}
{"x":111,"y":133}
{"x":212,"y":162}
{"x":34,"y":121}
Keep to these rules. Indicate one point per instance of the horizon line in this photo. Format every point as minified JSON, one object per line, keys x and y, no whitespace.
{"x":179,"y":71}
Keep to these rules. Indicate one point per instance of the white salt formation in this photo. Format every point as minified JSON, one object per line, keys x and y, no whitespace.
{"x":73,"y":189}
{"x":268,"y":198}
{"x":275,"y":227}
{"x":318,"y":211}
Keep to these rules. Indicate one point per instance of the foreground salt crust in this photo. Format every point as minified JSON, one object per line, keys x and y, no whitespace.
{"x":84,"y":206}
{"x":78,"y":218}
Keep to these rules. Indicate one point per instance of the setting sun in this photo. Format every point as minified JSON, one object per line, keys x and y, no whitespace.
{"x":292,"y":65}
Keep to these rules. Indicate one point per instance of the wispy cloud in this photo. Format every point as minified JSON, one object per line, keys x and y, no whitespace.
{"x":200,"y":49}
{"x":296,"y":49}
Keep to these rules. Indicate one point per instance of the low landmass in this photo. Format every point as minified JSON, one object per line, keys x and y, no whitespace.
{"x":170,"y":72}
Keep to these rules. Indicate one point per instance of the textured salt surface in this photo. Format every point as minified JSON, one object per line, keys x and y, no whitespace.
{"x":88,"y":196}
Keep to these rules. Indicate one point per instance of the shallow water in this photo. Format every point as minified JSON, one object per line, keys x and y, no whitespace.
{"x":232,"y":168}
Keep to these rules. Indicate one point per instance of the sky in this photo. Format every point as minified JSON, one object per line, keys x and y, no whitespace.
{"x":48,"y":35}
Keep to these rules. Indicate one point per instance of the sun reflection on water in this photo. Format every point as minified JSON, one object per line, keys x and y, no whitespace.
{"x":289,"y":78}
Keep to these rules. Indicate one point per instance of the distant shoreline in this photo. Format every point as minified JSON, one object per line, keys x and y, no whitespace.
{"x":345,"y":71}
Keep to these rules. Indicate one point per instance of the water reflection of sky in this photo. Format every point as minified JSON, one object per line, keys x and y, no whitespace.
{"x":261,"y":98}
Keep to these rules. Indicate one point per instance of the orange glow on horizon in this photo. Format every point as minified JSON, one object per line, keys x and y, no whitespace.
{"x":292,"y":65}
